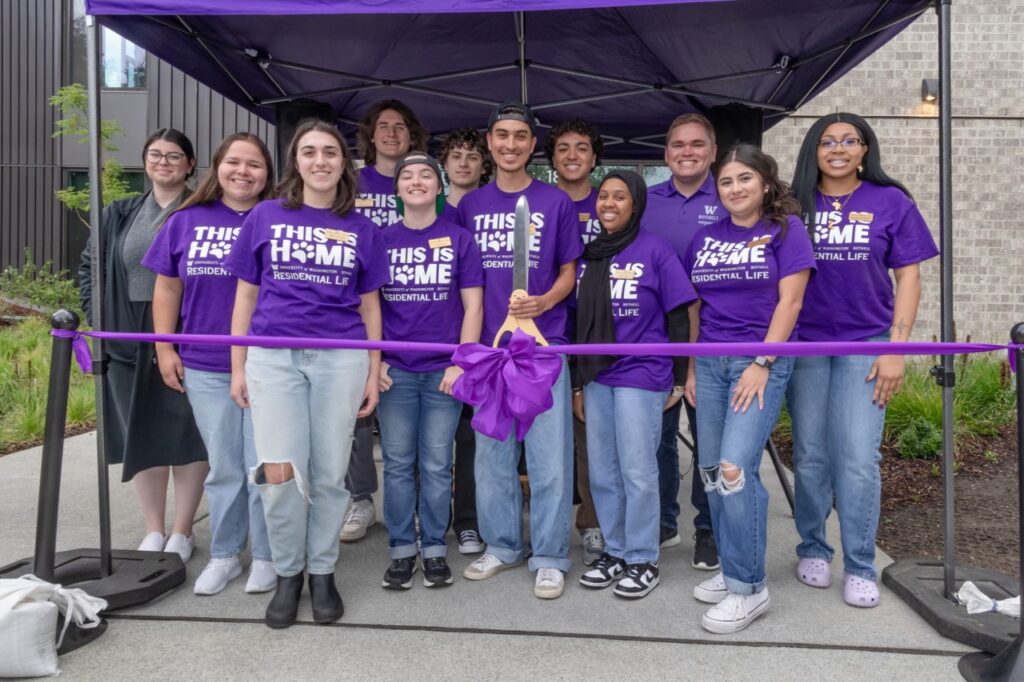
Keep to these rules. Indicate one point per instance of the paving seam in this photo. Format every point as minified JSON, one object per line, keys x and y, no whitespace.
{"x":552,"y":634}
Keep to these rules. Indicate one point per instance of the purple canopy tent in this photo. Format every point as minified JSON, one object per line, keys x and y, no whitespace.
{"x":629,"y":68}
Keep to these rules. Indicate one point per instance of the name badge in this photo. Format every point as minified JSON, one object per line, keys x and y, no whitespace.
{"x":584,"y":217}
{"x":364,"y":202}
{"x":758,"y":242}
{"x":439,"y":242}
{"x":861,"y":217}
{"x":533,"y":229}
{"x":623,"y":274}
{"x":338,"y":235}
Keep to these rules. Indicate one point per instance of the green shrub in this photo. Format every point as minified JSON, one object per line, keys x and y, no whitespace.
{"x":41,"y":287}
{"x":920,"y":439}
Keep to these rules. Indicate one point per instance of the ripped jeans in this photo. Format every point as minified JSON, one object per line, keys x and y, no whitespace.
{"x":738,"y":509}
{"x":304,"y":405}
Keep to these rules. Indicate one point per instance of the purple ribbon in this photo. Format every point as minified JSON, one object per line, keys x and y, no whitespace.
{"x":517,"y":376}
{"x":83,"y":356}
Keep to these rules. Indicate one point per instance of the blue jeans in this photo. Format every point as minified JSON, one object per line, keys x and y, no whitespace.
{"x":668,"y":470}
{"x":499,"y":497}
{"x":623,"y":430}
{"x":739,"y":511}
{"x":837,"y":431}
{"x":304,"y":405}
{"x":236,"y":511}
{"x":417,"y":428}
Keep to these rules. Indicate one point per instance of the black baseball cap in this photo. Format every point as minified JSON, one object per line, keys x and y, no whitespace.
{"x":513,"y":111}
{"x":419,"y":158}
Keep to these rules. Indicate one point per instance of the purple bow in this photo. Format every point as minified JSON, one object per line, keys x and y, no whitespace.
{"x":81,"y":347}
{"x":509,"y":385}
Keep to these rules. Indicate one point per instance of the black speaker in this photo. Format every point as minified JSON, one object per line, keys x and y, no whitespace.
{"x":289,"y":116}
{"x":736,"y":123}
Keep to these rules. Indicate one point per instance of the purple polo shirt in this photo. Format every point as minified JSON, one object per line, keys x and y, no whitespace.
{"x":851,"y":298}
{"x":376,"y":198}
{"x":194,"y":245}
{"x":488,"y":214}
{"x":676,"y":218}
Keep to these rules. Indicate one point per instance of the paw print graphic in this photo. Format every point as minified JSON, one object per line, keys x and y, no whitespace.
{"x":302,"y":251}
{"x":220,"y":249}
{"x":403,"y":274}
{"x":379,"y":216}
{"x":496,"y":241}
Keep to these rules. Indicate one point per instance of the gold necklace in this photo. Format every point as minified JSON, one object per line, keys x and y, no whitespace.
{"x":836,"y":204}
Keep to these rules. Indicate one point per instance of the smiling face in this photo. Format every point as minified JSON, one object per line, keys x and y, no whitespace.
{"x":319,"y":161}
{"x":614,"y":204}
{"x":170,"y":170}
{"x":511,"y":144}
{"x":689,"y":153}
{"x":418,"y":186}
{"x":464,"y":167}
{"x":742,"y":192}
{"x":840,"y":163}
{"x":242,"y":175}
{"x":574,"y":157}
{"x":391,"y":137}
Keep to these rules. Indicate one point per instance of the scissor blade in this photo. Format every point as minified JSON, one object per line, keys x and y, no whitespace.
{"x":521,"y":246}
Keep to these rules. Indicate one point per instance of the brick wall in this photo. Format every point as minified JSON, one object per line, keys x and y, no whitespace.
{"x":988,"y":153}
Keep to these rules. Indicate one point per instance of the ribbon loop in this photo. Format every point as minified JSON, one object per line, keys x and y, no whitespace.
{"x":83,"y":355}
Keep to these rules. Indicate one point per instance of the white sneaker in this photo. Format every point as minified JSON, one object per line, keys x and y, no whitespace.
{"x":485,"y":567}
{"x":217,"y":574}
{"x":181,"y":545}
{"x":735,"y":612}
{"x":712,"y":590}
{"x":550,"y":583}
{"x":262,"y":577}
{"x":153,"y":542}
{"x":361,"y":515}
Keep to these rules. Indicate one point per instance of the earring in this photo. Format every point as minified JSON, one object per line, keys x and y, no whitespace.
{"x":860,"y":169}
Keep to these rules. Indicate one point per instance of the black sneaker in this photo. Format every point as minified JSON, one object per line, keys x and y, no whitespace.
{"x":399,"y":574}
{"x":668,"y":537}
{"x":436,"y":572}
{"x":638,"y":580}
{"x":607,"y":569}
{"x":705,"y":551}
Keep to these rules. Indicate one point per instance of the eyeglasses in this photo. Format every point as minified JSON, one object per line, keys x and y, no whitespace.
{"x":846,"y":143}
{"x":172,"y":158}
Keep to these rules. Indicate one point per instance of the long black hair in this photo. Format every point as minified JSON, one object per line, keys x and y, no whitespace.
{"x":806,"y":175}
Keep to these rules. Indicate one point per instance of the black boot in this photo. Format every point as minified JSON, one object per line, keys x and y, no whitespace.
{"x":327,"y":606}
{"x":283,"y":608}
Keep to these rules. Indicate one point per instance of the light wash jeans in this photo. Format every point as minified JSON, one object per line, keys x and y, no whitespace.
{"x":499,"y":497}
{"x":738,"y":512}
{"x":236,"y":511}
{"x":304,"y":405}
{"x":837,"y":431}
{"x":623,"y":432}
{"x":417,"y":433}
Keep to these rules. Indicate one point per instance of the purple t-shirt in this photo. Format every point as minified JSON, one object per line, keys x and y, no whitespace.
{"x":422,"y":300}
{"x":675,"y":218}
{"x":647,"y":281}
{"x":193,"y":245}
{"x":450,"y":213}
{"x":878,"y":229}
{"x":489,"y":214}
{"x":311,"y":267}
{"x":376,"y":198}
{"x":586,"y":214}
{"x":736,"y":271}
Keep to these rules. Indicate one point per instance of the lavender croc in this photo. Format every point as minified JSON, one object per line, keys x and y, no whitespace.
{"x":814,"y":572}
{"x":860,"y":592}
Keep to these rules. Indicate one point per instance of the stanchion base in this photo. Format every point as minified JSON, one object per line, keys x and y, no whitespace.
{"x":137,"y":577}
{"x":1007,"y":665}
{"x":920,"y":584}
{"x":76,"y":637}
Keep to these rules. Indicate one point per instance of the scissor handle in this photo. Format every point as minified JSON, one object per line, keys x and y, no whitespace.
{"x":512,"y":323}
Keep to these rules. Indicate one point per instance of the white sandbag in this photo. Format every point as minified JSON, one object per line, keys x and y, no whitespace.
{"x":977,"y":601}
{"x":28,"y":623}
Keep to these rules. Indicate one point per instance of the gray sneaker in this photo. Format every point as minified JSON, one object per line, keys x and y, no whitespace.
{"x":593,"y":546}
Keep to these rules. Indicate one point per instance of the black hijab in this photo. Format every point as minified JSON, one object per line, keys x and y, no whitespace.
{"x":594,"y":321}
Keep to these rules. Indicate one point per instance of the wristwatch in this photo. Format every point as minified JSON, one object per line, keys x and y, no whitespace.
{"x":762,"y":361}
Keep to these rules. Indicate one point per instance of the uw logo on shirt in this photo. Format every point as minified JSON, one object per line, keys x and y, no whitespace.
{"x":710,"y":215}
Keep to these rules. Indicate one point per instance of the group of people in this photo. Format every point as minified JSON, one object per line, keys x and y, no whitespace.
{"x":282,"y":438}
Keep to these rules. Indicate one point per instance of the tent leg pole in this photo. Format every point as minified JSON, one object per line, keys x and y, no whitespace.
{"x":521,"y":40}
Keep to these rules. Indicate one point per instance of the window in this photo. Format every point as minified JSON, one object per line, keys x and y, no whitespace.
{"x":123,"y":64}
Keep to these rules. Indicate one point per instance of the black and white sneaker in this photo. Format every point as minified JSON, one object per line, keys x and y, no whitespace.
{"x":638,"y":580}
{"x":606,"y":570}
{"x":470,"y":542}
{"x":399,"y":574}
{"x":436,"y":572}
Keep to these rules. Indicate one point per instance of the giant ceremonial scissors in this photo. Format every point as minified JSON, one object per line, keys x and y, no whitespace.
{"x":520,"y":275}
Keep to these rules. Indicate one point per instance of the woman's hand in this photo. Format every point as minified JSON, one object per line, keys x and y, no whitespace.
{"x":888,"y":370}
{"x":385,"y":381}
{"x":448,"y":380}
{"x":239,"y":389}
{"x":690,"y":387}
{"x":577,"y":406}
{"x":671,"y":400}
{"x":171,"y":369}
{"x":751,"y":384}
{"x":371,"y":395}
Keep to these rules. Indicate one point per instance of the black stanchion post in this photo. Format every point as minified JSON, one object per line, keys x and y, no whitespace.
{"x":53,"y":446}
{"x":1008,"y":664}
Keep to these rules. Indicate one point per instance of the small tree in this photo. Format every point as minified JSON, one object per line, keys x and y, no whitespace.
{"x":72,"y":101}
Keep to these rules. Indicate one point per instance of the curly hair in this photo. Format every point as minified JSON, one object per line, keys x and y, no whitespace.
{"x":468,"y":138}
{"x":291,"y":185}
{"x":779,"y":202}
{"x":574,"y":125}
{"x":364,"y":133}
